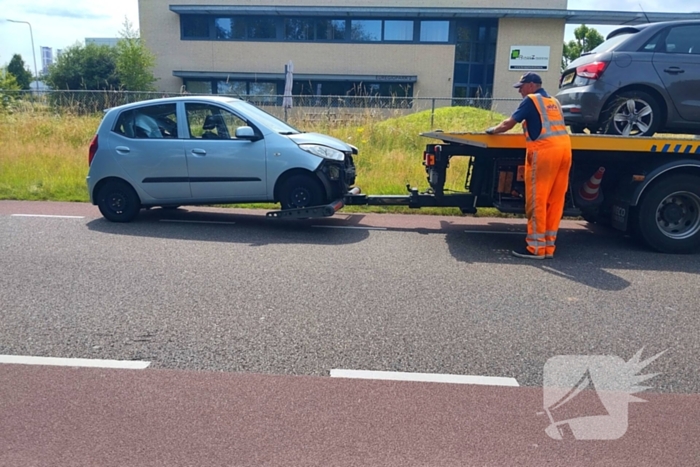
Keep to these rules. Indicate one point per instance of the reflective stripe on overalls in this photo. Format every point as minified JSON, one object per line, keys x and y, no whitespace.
{"x":547,"y":168}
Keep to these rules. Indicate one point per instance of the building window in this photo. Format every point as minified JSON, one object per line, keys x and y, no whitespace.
{"x":198,"y":87}
{"x":230,"y":28}
{"x":299,"y":29}
{"x":330,"y":30}
{"x":398,"y":31}
{"x":262,"y":28}
{"x":434,"y":31}
{"x":365,"y":30}
{"x":195,"y":27}
{"x":475,"y":54}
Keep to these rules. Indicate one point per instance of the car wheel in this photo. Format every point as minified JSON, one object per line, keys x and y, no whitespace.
{"x":632,"y":113}
{"x":668,"y":216}
{"x":118,"y":202}
{"x":301,"y":191}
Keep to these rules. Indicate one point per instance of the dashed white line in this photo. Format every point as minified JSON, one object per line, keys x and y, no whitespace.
{"x":50,"y":216}
{"x":349,"y":227}
{"x":196,"y":222}
{"x":425,"y":377}
{"x":74,"y":362}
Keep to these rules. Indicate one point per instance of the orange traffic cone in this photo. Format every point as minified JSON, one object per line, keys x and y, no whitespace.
{"x":590,"y":191}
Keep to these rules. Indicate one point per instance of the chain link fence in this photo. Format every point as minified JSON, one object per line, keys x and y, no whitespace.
{"x":332,"y":108}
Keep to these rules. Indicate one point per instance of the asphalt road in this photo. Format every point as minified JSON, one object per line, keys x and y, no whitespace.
{"x":231,"y":291}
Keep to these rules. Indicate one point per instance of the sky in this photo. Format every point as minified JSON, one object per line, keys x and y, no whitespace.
{"x":62,"y":23}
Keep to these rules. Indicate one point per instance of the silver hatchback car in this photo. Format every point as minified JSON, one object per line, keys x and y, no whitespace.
{"x":210,"y":150}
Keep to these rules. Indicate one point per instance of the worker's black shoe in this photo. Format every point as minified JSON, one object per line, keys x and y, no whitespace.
{"x":525,"y":253}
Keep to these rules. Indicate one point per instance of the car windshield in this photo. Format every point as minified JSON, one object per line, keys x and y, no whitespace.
{"x":611,"y":43}
{"x":270,"y":121}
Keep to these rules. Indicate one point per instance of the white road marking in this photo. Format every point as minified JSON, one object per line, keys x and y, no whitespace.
{"x":351,"y":227}
{"x":197,"y":222}
{"x":425,"y":377}
{"x":495,"y":232}
{"x":46,"y":215}
{"x":80,"y":362}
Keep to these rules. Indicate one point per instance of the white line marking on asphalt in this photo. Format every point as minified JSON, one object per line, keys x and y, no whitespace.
{"x":46,"y":215}
{"x":197,"y":222}
{"x":495,"y":232}
{"x":425,"y":377}
{"x":348,"y":227}
{"x":81,"y":362}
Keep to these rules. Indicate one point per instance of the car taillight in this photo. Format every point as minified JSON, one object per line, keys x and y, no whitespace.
{"x":592,"y":70}
{"x":93,"y":150}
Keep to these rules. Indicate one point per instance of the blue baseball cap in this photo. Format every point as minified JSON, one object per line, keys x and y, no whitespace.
{"x":528,"y":78}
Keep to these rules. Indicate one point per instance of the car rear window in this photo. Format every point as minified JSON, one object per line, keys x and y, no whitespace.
{"x":611,"y":43}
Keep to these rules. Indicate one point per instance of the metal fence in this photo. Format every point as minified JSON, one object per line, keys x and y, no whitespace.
{"x":303,"y":107}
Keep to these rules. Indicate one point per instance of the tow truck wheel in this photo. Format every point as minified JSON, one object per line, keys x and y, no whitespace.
{"x":301,"y":191}
{"x":668,"y":217}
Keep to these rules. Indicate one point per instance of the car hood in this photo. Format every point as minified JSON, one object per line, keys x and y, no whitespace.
{"x":318,"y":138}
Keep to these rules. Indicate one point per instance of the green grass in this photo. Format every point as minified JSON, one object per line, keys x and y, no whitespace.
{"x":45,"y":156}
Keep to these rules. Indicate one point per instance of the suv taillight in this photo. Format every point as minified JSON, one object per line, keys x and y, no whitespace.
{"x":592,"y":70}
{"x":93,"y":150}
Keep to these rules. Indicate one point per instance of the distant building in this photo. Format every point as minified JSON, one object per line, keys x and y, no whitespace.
{"x":46,"y":59}
{"x":109,"y":41}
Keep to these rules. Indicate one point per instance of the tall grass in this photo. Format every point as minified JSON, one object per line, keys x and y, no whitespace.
{"x":44,"y":155}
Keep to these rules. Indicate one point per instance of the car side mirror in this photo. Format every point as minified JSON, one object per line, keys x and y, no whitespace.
{"x":246,"y":132}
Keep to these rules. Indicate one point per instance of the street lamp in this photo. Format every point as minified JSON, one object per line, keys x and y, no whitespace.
{"x":36,"y":74}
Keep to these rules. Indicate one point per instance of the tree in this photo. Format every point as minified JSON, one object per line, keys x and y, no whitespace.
{"x":134,"y":61}
{"x":586,"y":40}
{"x":93,"y":67}
{"x":8,"y":82}
{"x":19,"y":70}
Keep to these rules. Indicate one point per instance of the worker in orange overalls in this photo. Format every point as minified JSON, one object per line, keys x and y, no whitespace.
{"x":547,"y":164}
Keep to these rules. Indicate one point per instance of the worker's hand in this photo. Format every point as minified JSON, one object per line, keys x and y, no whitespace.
{"x":491,"y":131}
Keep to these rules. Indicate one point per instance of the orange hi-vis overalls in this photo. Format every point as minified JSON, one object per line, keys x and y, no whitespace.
{"x":547,"y":166}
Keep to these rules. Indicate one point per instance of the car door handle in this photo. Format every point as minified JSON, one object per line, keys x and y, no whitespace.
{"x":122,"y":149}
{"x":199,"y":152}
{"x":674,"y":70}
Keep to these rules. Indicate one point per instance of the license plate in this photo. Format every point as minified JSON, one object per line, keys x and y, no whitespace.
{"x":568,"y":79}
{"x":619,"y":217}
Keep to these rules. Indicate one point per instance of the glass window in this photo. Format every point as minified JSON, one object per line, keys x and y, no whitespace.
{"x":198,"y":87}
{"x":463,"y":52}
{"x":683,"y":40}
{"x":330,"y":30}
{"x":398,"y":30}
{"x":299,"y":29}
{"x":366,"y":30}
{"x":195,"y":26}
{"x":208,"y":121}
{"x":434,"y":31}
{"x":262,"y":92}
{"x":229,"y":28}
{"x":262,"y":28}
{"x":235,"y":88}
{"x":151,"y":122}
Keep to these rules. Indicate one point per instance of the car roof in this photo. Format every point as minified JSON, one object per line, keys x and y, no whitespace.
{"x":657,"y":25}
{"x":170,"y":100}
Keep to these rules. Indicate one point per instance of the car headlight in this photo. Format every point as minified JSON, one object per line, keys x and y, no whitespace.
{"x":323,"y":151}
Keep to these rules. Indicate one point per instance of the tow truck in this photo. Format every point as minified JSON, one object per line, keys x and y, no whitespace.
{"x":648,"y":187}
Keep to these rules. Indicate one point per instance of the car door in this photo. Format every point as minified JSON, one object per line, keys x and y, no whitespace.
{"x":222,"y":167}
{"x":678,"y":64}
{"x":147,"y":147}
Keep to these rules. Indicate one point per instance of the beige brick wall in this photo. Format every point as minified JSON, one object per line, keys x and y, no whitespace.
{"x":526,"y":32}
